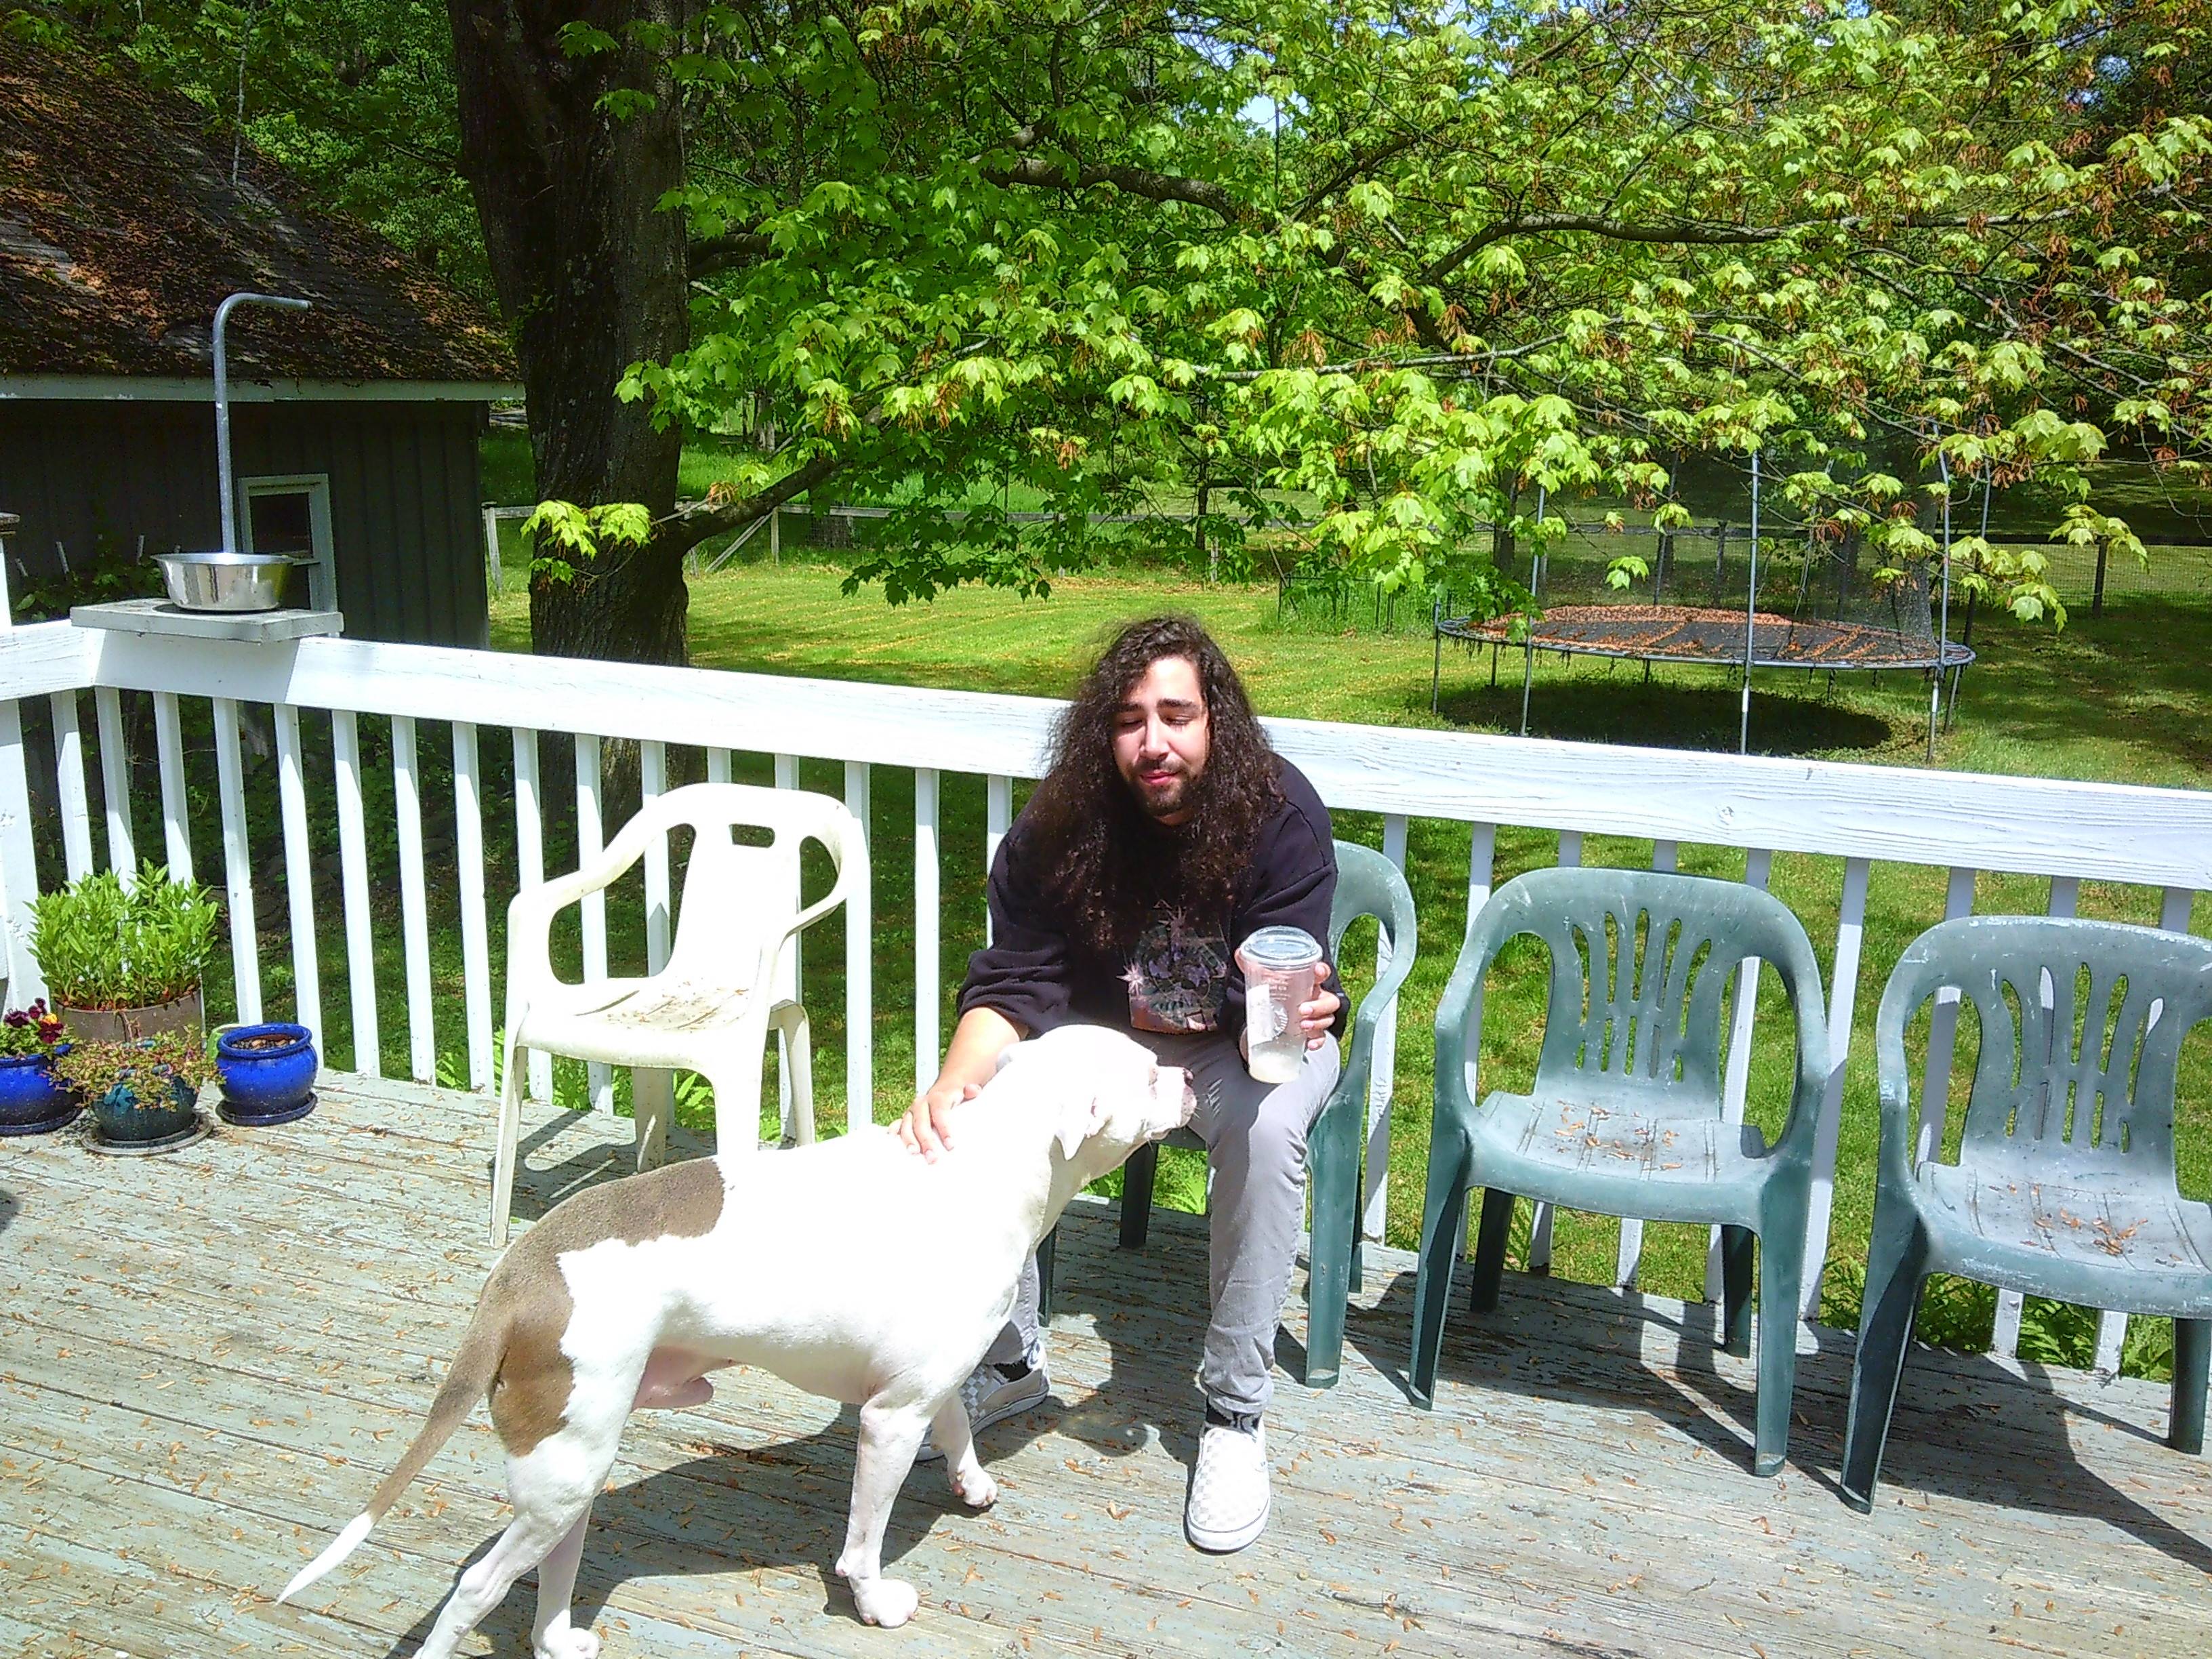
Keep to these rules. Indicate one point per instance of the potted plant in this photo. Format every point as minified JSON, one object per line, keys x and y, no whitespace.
{"x":32,"y":1099}
{"x":143,"y":1092}
{"x":268,"y":1074}
{"x":125,"y":962}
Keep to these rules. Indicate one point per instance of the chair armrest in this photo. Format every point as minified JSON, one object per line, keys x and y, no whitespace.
{"x":1500,"y":918}
{"x":1801,"y":979}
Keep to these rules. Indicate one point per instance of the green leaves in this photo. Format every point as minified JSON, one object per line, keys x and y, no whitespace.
{"x":582,"y":532}
{"x":100,"y":946}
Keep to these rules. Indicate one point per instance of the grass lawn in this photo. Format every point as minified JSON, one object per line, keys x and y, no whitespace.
{"x":2121,"y":699}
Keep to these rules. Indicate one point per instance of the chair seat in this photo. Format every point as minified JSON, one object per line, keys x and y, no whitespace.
{"x":622,"y":1019}
{"x":1618,"y":1160}
{"x":2128,"y":1250}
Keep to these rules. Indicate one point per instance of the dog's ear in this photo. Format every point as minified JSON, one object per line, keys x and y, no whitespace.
{"x":1081,"y":1111}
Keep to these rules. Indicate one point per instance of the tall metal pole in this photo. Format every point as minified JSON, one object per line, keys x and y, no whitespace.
{"x":1943,"y":627}
{"x":222,"y":405}
{"x":1750,"y":613}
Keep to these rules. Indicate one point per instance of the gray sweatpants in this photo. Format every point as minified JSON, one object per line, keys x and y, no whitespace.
{"x":1255,"y":1140}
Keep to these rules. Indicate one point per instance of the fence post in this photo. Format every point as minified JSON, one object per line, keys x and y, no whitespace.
{"x":491,"y":547}
{"x":2097,"y":600}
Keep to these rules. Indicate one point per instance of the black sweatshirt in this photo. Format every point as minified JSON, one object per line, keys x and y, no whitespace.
{"x":1182,"y":975}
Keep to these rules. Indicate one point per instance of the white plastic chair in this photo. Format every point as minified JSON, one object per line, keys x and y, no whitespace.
{"x":710,"y":1007}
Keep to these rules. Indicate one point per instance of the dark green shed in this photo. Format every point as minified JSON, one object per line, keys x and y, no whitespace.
{"x":354,"y":425}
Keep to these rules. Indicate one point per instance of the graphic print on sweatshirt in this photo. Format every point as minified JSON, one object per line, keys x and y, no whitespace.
{"x":1178,"y":976}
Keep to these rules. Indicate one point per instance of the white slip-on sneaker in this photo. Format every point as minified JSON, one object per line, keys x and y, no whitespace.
{"x":993,"y":1394}
{"x":1228,"y":1488}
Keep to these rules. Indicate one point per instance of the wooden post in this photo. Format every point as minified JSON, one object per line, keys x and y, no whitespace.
{"x":491,"y":548}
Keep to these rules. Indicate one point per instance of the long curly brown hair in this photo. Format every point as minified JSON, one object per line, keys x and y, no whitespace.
{"x":1111,"y":865}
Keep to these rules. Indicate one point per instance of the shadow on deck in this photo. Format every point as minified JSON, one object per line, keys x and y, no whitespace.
{"x":212,"y":1357}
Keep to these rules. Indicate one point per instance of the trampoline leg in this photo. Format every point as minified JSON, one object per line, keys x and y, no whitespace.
{"x":1436,"y":673}
{"x":1493,"y":668}
{"x":1647,"y":670}
{"x":1951,"y":707}
{"x":1528,"y":679}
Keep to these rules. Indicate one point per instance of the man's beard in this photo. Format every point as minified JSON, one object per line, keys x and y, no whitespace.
{"x":1174,"y":797}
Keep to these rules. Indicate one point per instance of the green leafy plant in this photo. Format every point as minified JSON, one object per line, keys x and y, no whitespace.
{"x":102,"y":945}
{"x":31,"y":1031}
{"x":141,"y":1070}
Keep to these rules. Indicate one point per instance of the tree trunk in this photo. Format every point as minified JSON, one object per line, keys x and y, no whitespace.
{"x":590,"y":276}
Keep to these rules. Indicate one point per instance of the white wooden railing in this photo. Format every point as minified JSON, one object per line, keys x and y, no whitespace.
{"x":1965,"y":823}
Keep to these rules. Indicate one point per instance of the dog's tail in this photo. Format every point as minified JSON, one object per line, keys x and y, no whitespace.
{"x":475,"y":1367}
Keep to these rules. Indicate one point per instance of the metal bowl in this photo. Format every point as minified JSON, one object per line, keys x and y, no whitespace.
{"x":226,"y":581}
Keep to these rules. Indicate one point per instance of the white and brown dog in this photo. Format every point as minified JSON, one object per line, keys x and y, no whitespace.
{"x":850,"y":1268}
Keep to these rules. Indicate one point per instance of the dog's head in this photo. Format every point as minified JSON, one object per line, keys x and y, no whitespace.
{"x":1110,"y":1095}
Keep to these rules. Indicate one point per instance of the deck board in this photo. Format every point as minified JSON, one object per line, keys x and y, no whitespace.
{"x":208,"y":1359}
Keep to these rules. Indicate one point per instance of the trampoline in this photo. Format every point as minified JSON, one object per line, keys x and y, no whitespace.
{"x":1795,"y":601}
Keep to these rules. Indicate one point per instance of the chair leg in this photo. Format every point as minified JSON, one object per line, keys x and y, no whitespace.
{"x":1137,"y":1195}
{"x":1897,"y":1263}
{"x":652,"y":1104}
{"x":506,"y":1147}
{"x":790,"y":1019}
{"x":1445,"y":1204}
{"x":2192,"y":1360}
{"x":1335,"y":1169}
{"x":1491,"y":1235}
{"x":1781,"y":1280}
{"x":1047,"y":1257}
{"x":736,"y":1107}
{"x":1738,"y":1253}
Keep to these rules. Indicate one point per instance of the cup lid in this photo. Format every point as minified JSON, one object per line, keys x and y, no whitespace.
{"x":1281,"y":947}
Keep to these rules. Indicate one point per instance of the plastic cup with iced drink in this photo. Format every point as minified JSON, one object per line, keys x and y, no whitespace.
{"x":1281,"y":970}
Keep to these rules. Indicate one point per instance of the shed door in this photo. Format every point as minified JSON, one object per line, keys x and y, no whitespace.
{"x":292,"y":515}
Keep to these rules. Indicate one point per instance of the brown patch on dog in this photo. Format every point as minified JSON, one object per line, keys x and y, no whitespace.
{"x":530,"y":1395}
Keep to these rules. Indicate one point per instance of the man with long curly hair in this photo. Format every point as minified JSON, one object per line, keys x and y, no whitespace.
{"x":1166,"y":832}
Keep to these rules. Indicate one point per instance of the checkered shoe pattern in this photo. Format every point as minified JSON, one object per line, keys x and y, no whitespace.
{"x":991,"y":1396}
{"x":1229,"y":1490}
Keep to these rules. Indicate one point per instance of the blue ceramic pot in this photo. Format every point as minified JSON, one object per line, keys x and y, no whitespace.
{"x":125,"y":1120}
{"x":32,"y":1100}
{"x":268,"y":1074}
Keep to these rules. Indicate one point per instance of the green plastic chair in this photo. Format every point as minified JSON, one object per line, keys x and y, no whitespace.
{"x":2064,"y":1185}
{"x":1367,"y":884}
{"x":1625,"y":1114}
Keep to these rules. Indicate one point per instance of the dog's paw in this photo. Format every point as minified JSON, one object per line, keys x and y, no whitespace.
{"x":885,"y":1601}
{"x":976,"y":1488}
{"x":566,"y":1643}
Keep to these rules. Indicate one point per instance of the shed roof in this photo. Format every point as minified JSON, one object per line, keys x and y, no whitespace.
{"x":120,"y":231}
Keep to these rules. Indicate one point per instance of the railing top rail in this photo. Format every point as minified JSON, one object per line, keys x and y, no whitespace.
{"x":2038,"y":826}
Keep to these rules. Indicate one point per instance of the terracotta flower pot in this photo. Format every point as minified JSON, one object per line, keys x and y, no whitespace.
{"x":127,"y":1024}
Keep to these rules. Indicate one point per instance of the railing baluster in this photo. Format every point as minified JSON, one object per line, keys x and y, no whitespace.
{"x":476,"y":939}
{"x":718,"y":766}
{"x":237,"y":864}
{"x":68,"y":786}
{"x":787,"y":965}
{"x":652,"y":782}
{"x":1628,"y":1255}
{"x":1375,"y":1210}
{"x":414,"y":903}
{"x":1843,"y":1009}
{"x":860,"y":936}
{"x":529,"y":871}
{"x":1758,"y":864}
{"x":926,"y":966}
{"x":1942,"y":1032}
{"x":589,"y":842}
{"x":19,"y":860}
{"x":1540,"y":1219}
{"x":299,"y":875}
{"x":115,"y":783}
{"x":176,"y":822}
{"x":998,"y":818}
{"x":353,"y":872}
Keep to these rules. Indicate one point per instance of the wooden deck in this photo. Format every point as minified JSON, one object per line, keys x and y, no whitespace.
{"x":208,"y":1359}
